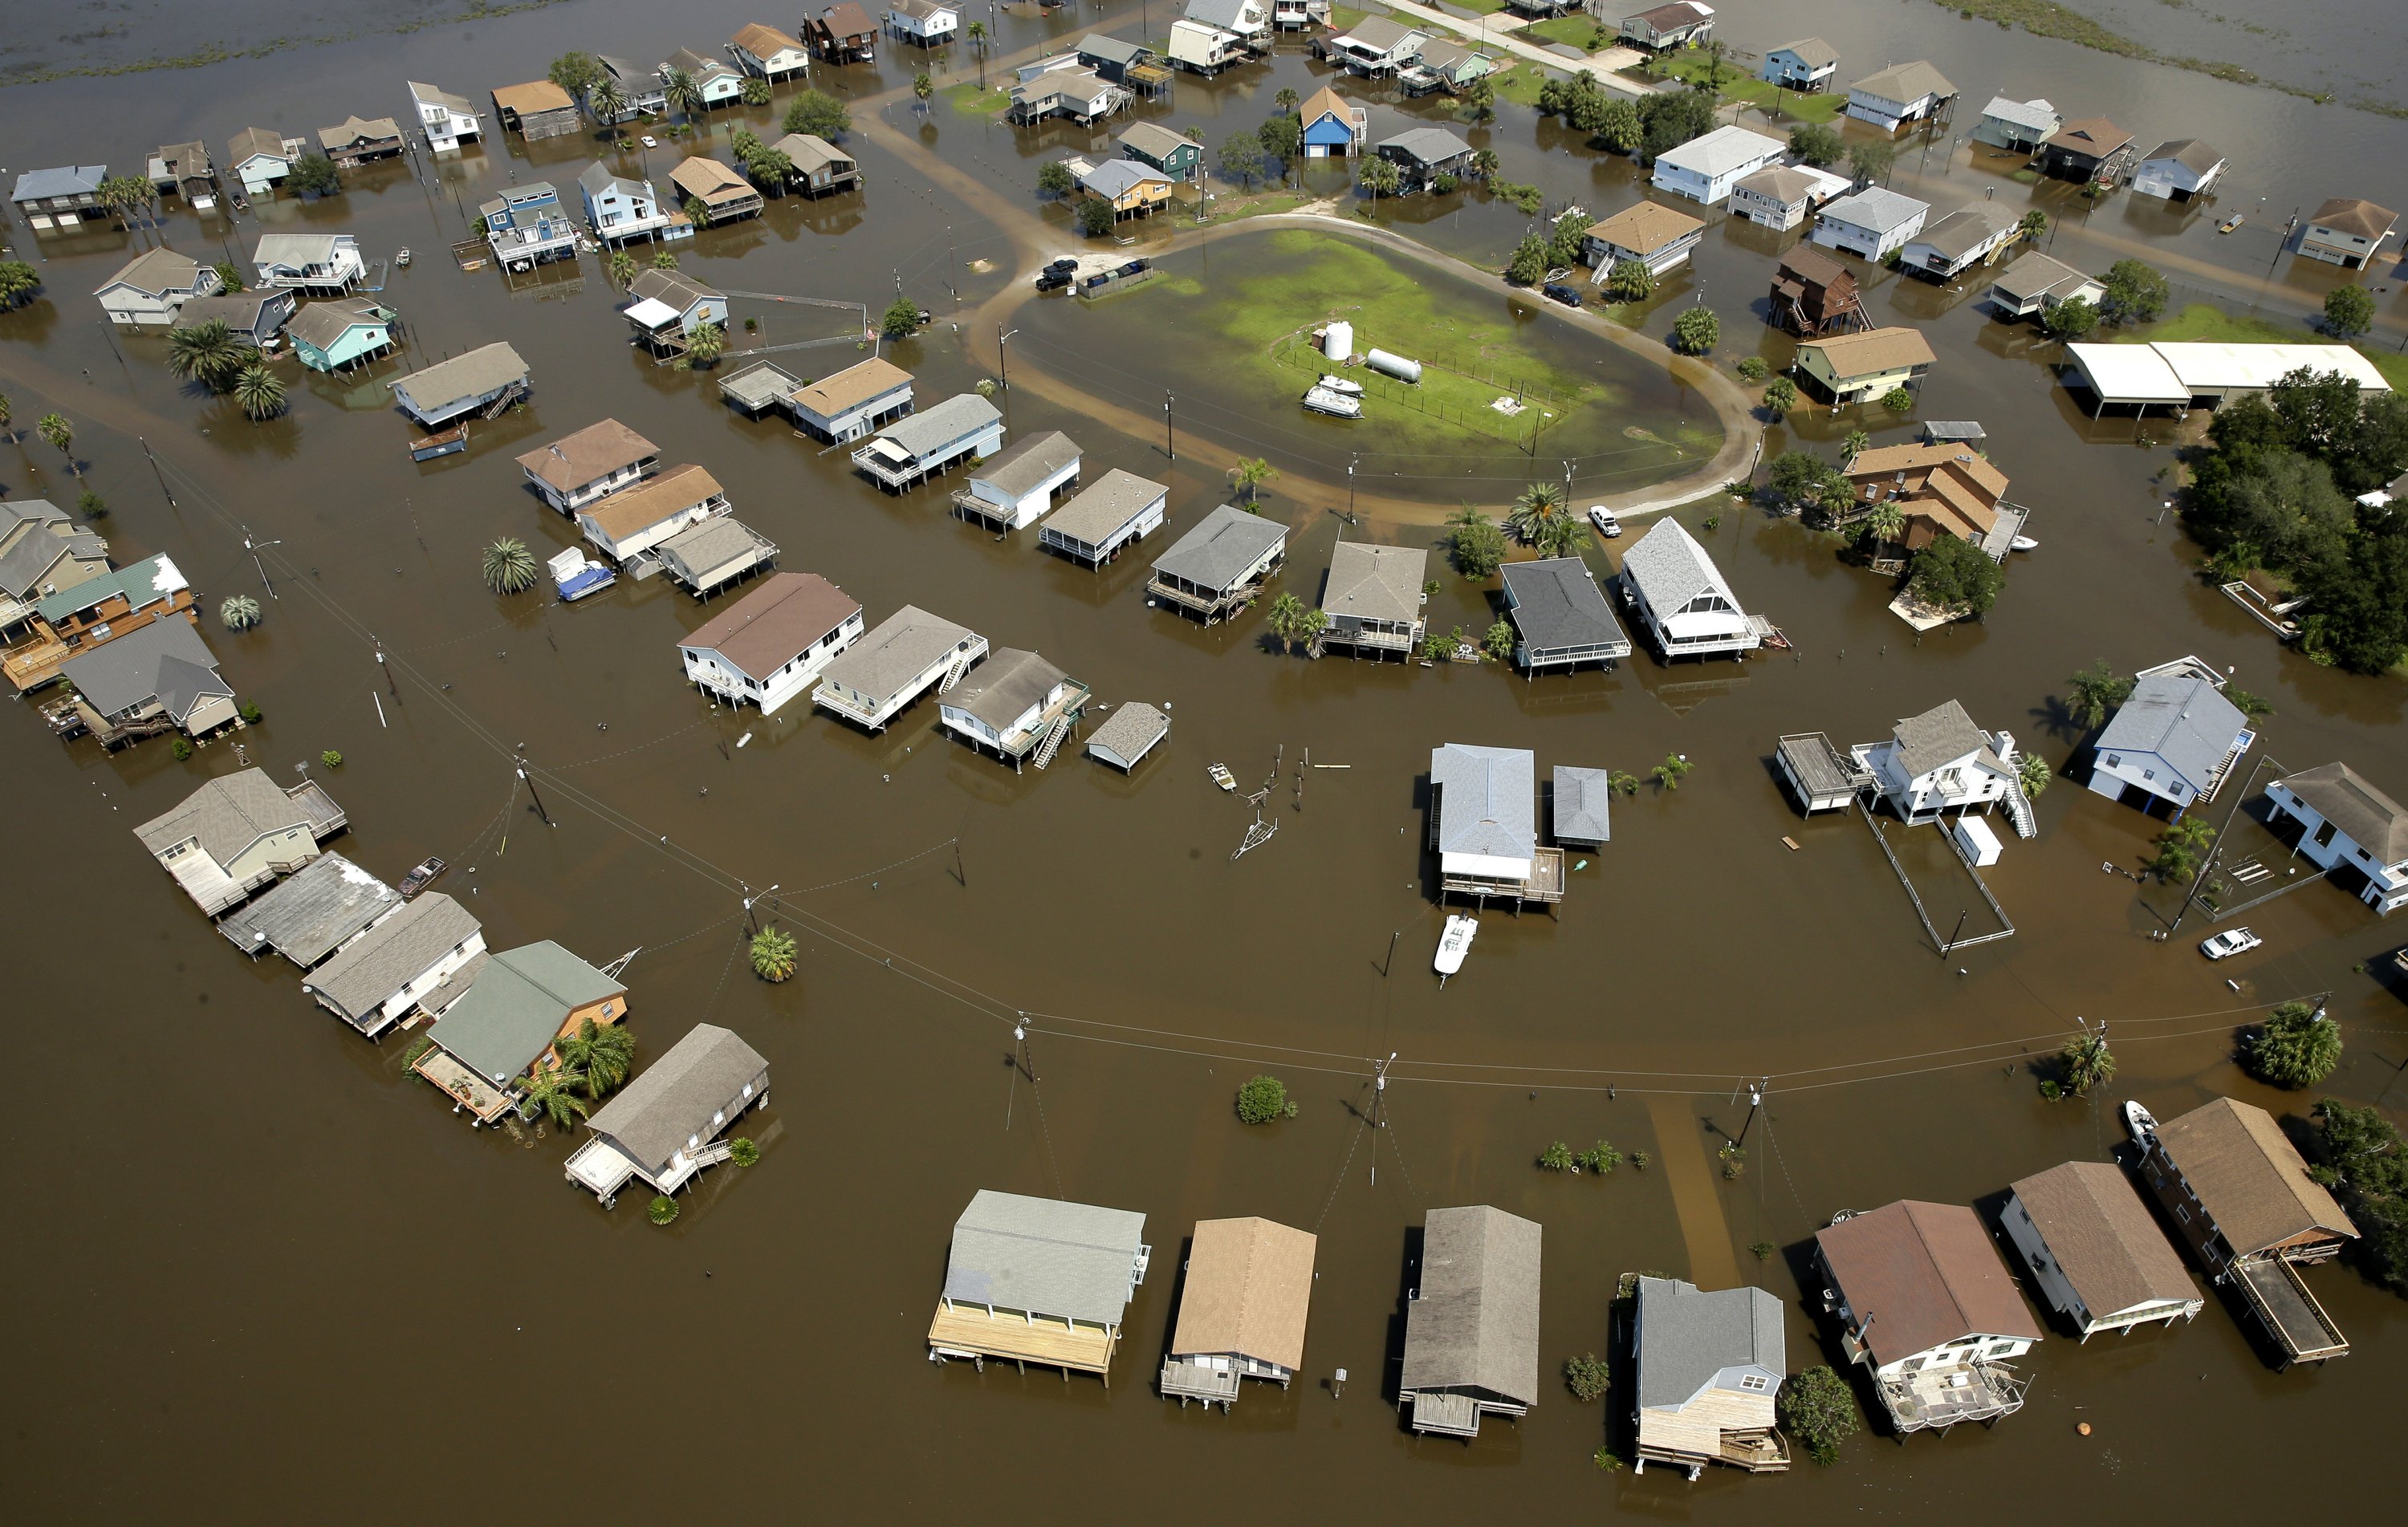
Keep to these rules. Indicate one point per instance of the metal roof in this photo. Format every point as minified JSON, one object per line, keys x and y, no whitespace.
{"x":1485,"y":800}
{"x":310,"y":913}
{"x":515,"y":1008}
{"x":1555,"y":603}
{"x":1474,"y":1321}
{"x":1688,"y":1337}
{"x":895,"y":651}
{"x":678,"y":1097}
{"x":1116,"y":178}
{"x":1044,"y":1256}
{"x":1017,"y":471}
{"x":60,"y":181}
{"x":1220,"y":548}
{"x":140,"y":584}
{"x":393,"y":953}
{"x":1584,"y":805}
{"x":1724,"y":149}
{"x":1427,"y":145}
{"x":2186,"y":722}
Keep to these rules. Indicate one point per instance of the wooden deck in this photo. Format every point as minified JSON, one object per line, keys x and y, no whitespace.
{"x":464,"y":1087}
{"x":2273,"y":1290}
{"x":36,"y":662}
{"x":1545,"y":884}
{"x":970,"y":1330}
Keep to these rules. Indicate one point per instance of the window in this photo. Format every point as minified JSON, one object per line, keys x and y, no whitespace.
{"x":2148,"y":774}
{"x":2182,"y":1212}
{"x":1753,"y":1382}
{"x":718,"y":1119}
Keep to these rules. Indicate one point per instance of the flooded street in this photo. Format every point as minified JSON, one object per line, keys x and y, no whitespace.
{"x":260,"y":1264}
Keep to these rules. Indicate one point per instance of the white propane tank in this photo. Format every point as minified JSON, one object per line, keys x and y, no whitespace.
{"x":1337,"y":342}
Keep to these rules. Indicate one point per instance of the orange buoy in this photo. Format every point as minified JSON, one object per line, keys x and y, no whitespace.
{"x":2083,"y":1427}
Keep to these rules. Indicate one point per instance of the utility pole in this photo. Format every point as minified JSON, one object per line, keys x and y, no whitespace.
{"x":1002,"y":358}
{"x":1755,"y":1102}
{"x":1352,"y":462}
{"x":387,"y":672}
{"x":1378,"y":1097}
{"x":156,"y":472}
{"x":1959,"y":929}
{"x":1170,"y":439}
{"x":538,"y":799}
{"x":751,"y":925}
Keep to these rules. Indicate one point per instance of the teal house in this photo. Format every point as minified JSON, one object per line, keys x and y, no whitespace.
{"x":333,"y":336}
{"x":1172,"y":153}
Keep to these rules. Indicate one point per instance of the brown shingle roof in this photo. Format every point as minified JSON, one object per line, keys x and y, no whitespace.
{"x":2252,"y":1183}
{"x":2095,"y":137}
{"x":852,"y":387}
{"x":777,"y":622}
{"x":763,"y":42}
{"x":2104,"y":1237}
{"x":1874,"y":351}
{"x":710,"y":181}
{"x":2355,"y":215}
{"x":632,"y":509}
{"x":1249,"y":1282}
{"x":588,"y":455}
{"x":535,"y":97}
{"x":1923,"y":1274}
{"x":1646,"y":227}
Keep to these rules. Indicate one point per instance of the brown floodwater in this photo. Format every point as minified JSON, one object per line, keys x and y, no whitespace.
{"x":257,"y":1266}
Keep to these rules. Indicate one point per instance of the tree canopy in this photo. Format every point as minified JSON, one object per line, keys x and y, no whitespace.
{"x":2358,"y":1156}
{"x":1819,"y":1410}
{"x":1475,"y":543}
{"x":1816,"y":144}
{"x":1954,"y":573}
{"x":818,"y":113}
{"x":2136,"y":293}
{"x":2297,"y":1046}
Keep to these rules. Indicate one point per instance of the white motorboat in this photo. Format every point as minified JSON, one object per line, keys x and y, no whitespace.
{"x":1342,"y":386}
{"x":1321,"y":400}
{"x":2022,"y":543}
{"x":2140,"y":1123}
{"x":1454,"y":944}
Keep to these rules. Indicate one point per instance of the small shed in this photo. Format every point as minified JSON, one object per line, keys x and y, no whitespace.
{"x":1128,"y":735}
{"x":1975,"y":842}
{"x":1583,"y":800}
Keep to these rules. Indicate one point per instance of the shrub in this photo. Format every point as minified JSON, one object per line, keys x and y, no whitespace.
{"x":1753,"y":368}
{"x":1556,"y":1157}
{"x":331,"y":759}
{"x":1585,"y":1377}
{"x":1095,"y":216}
{"x":1695,"y":330}
{"x":1263,"y":1099}
{"x":93,"y":504}
{"x":1819,"y":1411}
{"x":181,"y":750}
{"x":1599,"y":1158}
{"x":2298,"y":1046}
{"x":1897,"y":400}
{"x":249,"y":712}
{"x":742,"y":1151}
{"x":1763,"y":1251}
{"x":1639,"y":1160}
{"x":662,"y":1208}
{"x":1954,"y":573}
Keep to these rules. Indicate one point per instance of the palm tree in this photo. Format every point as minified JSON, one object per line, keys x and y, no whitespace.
{"x":1250,"y":473}
{"x":976,"y":33}
{"x":606,"y":102}
{"x":239,"y":612}
{"x":662,"y":1208}
{"x":754,"y":91}
{"x":2032,"y":226}
{"x":1668,"y":774}
{"x":1286,"y":100}
{"x":207,"y":353}
{"x":664,"y":261}
{"x":1535,"y":513}
{"x":1621,"y":783}
{"x":18,"y":282}
{"x":2181,"y":848}
{"x":1482,"y":98}
{"x":775,"y":167}
{"x":604,"y":1053}
{"x":510,"y":566}
{"x":552,"y":1089}
{"x":681,"y":92}
{"x":922,"y":88}
{"x":1293,"y":621}
{"x":622,"y":269}
{"x":1485,"y":162}
{"x":2086,"y":1061}
{"x":1886,"y":524}
{"x":706,"y":344}
{"x":259,"y":393}
{"x":2093,"y":694}
{"x":773,"y":954}
{"x":1858,"y":440}
{"x":697,"y":212}
{"x":2032,"y":774}
{"x":55,"y":429}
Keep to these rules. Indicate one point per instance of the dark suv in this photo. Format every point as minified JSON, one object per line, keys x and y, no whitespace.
{"x":1562,"y":293}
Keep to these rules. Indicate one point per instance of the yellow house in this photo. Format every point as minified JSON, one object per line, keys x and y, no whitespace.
{"x":1854,"y":367}
{"x":1133,"y":189}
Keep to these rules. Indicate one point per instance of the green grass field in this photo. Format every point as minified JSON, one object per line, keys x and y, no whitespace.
{"x":2205,"y":323}
{"x":1738,"y":85}
{"x":1519,"y":83}
{"x":970,"y":101}
{"x":1576,"y":31}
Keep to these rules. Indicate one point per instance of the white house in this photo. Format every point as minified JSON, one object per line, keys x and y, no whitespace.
{"x":770,"y":644}
{"x":379,"y":978}
{"x":626,"y":524}
{"x":1704,"y":168}
{"x":1014,"y":703}
{"x":906,"y":654}
{"x":1963,"y":238}
{"x":1116,"y":510}
{"x":2174,"y":739}
{"x":2095,"y":1249}
{"x":1806,"y":64}
{"x":153,"y":286}
{"x":2347,"y":825}
{"x":720,"y":82}
{"x":446,"y":119}
{"x":1377,"y":46}
{"x":579,"y":467}
{"x":1205,"y":50}
{"x":259,"y":158}
{"x":2182,"y":170}
{"x":2036,"y":282}
{"x":1926,"y":1302}
{"x":1870,"y":224}
{"x":766,"y":51}
{"x":2019,"y":126}
{"x":620,"y":210}
{"x":1680,"y":24}
{"x":1901,"y":95}
{"x":2348,"y":232}
{"x":852,"y":402}
{"x":311,"y":262}
{"x":1249,"y":21}
{"x":1657,"y":236}
{"x":1681,"y":597}
{"x":1941,"y":762}
{"x":645,"y":94}
{"x":1016,"y":487}
{"x":908,"y":452}
{"x":1779,"y":196}
{"x":926,"y":23}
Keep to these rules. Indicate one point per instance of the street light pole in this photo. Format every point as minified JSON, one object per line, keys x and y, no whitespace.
{"x":537,"y":799}
{"x":1378,"y":1098}
{"x":1169,"y":435}
{"x":1002,"y":359}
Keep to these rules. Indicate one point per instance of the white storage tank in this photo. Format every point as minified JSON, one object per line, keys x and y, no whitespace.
{"x":1393,"y":366}
{"x":1337,"y":342}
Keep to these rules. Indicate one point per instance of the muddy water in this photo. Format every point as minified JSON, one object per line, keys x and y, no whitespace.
{"x":264,"y":1216}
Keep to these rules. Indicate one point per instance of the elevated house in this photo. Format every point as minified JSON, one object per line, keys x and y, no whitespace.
{"x":1681,"y":24}
{"x":1241,"y":1309}
{"x":153,"y":287}
{"x":724,"y":195}
{"x":619,"y":209}
{"x":1299,"y":15}
{"x":1657,"y":236}
{"x":1483,"y":826}
{"x":1373,"y":597}
{"x":628,"y":523}
{"x":1471,"y":1322}
{"x":497,"y":1032}
{"x":319,"y":263}
{"x":1943,"y":488}
{"x":2095,"y":1249}
{"x":1444,"y":63}
{"x":642,"y":88}
{"x":1082,"y":95}
{"x":1128,"y":736}
{"x":1016,"y":703}
{"x":1202,"y":48}
{"x":1900,"y":96}
{"x":665,"y":307}
{"x":1870,"y":224}
{"x":902,"y":658}
{"x":923,"y":24}
{"x":536,"y":111}
{"x":1039,"y":1280}
{"x":1581,"y":806}
{"x":1925,"y":1303}
{"x":710,"y":554}
{"x":444,"y":120}
{"x":1819,"y":776}
{"x":1561,"y":618}
{"x":526,"y":225}
{"x":1863,"y":368}
{"x":2178,"y":170}
{"x":841,"y":33}
{"x":184,"y":170}
{"x":2017,"y":126}
{"x":583,"y":464}
{"x":378,"y":979}
{"x":1249,"y":21}
{"x":1116,"y":510}
{"x":259,"y":159}
{"x":665,"y":1126}
{"x":2092,"y":151}
{"x":1705,"y":169}
{"x":42,"y":551}
{"x":1939,"y":763}
{"x":2348,"y":232}
{"x":1160,"y":148}
{"x":852,"y":402}
{"x":2180,"y":375}
{"x":1806,"y":65}
{"x":1779,"y":196}
{"x":2175,"y":739}
{"x":1969,"y":237}
{"x":2244,"y":1206}
{"x":1709,"y":1365}
{"x":1124,"y":63}
{"x":717,"y":81}
{"x":114,"y":603}
{"x":310,"y":913}
{"x":238,"y":832}
{"x":908,"y":452}
{"x":770,"y":646}
{"x":768,"y":52}
{"x":61,"y":197}
{"x":158,"y":677}
{"x":343,"y":332}
{"x":1133,"y":189}
{"x":2350,"y":829}
{"x":1375,"y":46}
{"x":1681,"y":598}
{"x":483,"y":381}
{"x":1333,"y":129}
{"x":820,"y":166}
{"x":1220,"y":565}
{"x":1425,"y":153}
{"x":2035,"y":283}
{"x":361,"y":140}
{"x":1813,"y":295}
{"x":1019,"y":485}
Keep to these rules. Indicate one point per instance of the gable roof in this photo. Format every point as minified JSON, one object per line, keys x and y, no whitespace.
{"x":1016,"y":470}
{"x":2190,"y":153}
{"x":140,"y":584}
{"x":1810,"y":266}
{"x":438,"y":95}
{"x":1228,"y":15}
{"x":2355,"y":215}
{"x":641,"y":505}
{"x":1679,"y":13}
{"x":679,"y":291}
{"x":775,"y":623}
{"x":2248,"y":1177}
{"x":352,"y":130}
{"x":853,"y":386}
{"x":1106,"y":505}
{"x":2104,"y":1237}
{"x":1670,"y":568}
{"x":1327,"y":102}
{"x":1873,"y":351}
{"x":1940,"y":736}
{"x":895,"y":651}
{"x":394,"y":952}
{"x":1813,"y":52}
{"x":810,"y":151}
{"x":999,"y":690}
{"x":1220,"y":547}
{"x":1721,"y":151}
{"x":1967,"y":229}
{"x":675,"y":1098}
{"x":1427,"y":145}
{"x":764,"y":42}
{"x":1155,"y":141}
{"x":1475,"y":1321}
{"x":256,"y":143}
{"x":709,"y":179}
{"x":1646,"y":227}
{"x":1044,"y":1256}
{"x":2036,"y":114}
{"x":1116,"y":178}
{"x":2093,"y":138}
{"x":1688,"y":1337}
{"x":1555,"y":603}
{"x":1249,"y":1287}
{"x":2185,"y":721}
{"x":1130,"y":733}
{"x":843,"y":19}
{"x":1375,"y":582}
{"x":1905,"y":83}
{"x":1876,"y":207}
{"x":703,"y":67}
{"x":154,"y":273}
{"x":1583,"y":804}
{"x":933,"y":428}
{"x":2342,"y":797}
{"x":308,"y":915}
{"x":241,"y":312}
{"x":226,"y":814}
{"x":512,"y":1011}
{"x":1109,"y":49}
{"x":323,"y":324}
{"x":1486,"y":800}
{"x":596,"y":178}
{"x":485,"y":369}
{"x":533,"y":98}
{"x":588,"y":455}
{"x":1378,"y":33}
{"x":2032,"y":274}
{"x":164,"y":661}
{"x":1917,"y":1276}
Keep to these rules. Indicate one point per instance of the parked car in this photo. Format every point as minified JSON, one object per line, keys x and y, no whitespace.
{"x":1603,"y":518}
{"x":2237,"y":941}
{"x":1135,"y":267}
{"x":1051,"y":281}
{"x":1562,"y":293}
{"x":1062,"y":267}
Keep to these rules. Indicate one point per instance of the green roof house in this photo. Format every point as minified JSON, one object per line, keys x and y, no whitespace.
{"x":504,"y":1024}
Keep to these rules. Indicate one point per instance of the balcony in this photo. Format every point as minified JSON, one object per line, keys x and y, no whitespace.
{"x":1943,"y":1396}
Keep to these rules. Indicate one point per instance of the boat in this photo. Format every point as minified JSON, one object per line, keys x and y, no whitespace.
{"x":575,"y":575}
{"x":1342,"y":386}
{"x":2140,"y":1123}
{"x":1454,"y":944}
{"x":401,"y":258}
{"x":1222,"y":776}
{"x":2022,"y":543}
{"x":1323,"y":401}
{"x":421,"y":878}
{"x":2229,"y":223}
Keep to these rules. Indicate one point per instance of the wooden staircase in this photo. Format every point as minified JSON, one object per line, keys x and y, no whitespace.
{"x":1053,"y":743}
{"x":953,"y":671}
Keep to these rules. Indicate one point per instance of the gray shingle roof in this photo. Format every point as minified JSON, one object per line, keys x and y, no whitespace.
{"x":2038,"y":115}
{"x":1670,"y":568}
{"x":448,"y":383}
{"x":1044,"y":1256}
{"x":1584,"y":805}
{"x":1427,"y":145}
{"x":515,"y":1011}
{"x":999,"y":690}
{"x":1905,"y":83}
{"x":1877,"y":208}
{"x":2032,"y":274}
{"x":673,"y":1099}
{"x":1475,"y":1321}
{"x":1375,"y":582}
{"x":1555,"y":603}
{"x":1940,"y":736}
{"x":1111,"y":49}
{"x":1129,"y":734}
{"x":1812,"y":51}
{"x":164,"y":661}
{"x":1016,"y":470}
{"x":2186,"y":722}
{"x":932,"y":429}
{"x":2190,"y":153}
{"x":227,"y":814}
{"x":393,"y":953}
{"x":1153,"y":140}
{"x":896,"y":650}
{"x":307,"y":916}
{"x":1965,"y":230}
{"x":1487,"y":801}
{"x":700,"y":550}
{"x":1220,"y":548}
{"x":1105,"y":506}
{"x":1116,"y":178}
{"x":323,"y":324}
{"x":1687,"y":1337}
{"x":156,"y":272}
{"x":1377,"y":32}
{"x":2374,"y":820}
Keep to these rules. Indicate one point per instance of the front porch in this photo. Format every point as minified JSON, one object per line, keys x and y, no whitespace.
{"x":979,"y":1331}
{"x":1545,"y":884}
{"x":1379,"y":640}
{"x":1043,"y":736}
{"x":1210,"y":603}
